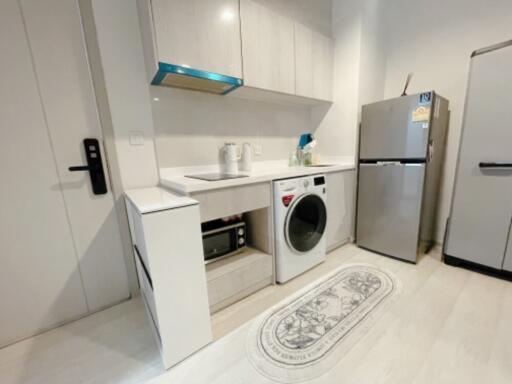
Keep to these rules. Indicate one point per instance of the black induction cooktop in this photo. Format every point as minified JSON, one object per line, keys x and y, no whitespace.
{"x":215,"y":176}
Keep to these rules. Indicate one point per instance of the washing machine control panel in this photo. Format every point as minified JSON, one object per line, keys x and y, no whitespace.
{"x":320,"y":180}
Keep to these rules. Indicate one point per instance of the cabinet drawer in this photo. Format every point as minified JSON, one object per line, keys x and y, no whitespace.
{"x":232,"y":201}
{"x":236,"y":276}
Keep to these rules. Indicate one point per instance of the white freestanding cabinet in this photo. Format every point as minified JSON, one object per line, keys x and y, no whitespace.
{"x":340,"y":207}
{"x":267,"y":48}
{"x":202,"y":35}
{"x":166,"y":235}
{"x":314,"y":58}
{"x":481,"y":212}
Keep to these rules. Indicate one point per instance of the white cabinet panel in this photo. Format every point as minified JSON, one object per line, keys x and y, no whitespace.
{"x":220,"y":203}
{"x":203,"y":35}
{"x":267,"y":48}
{"x":314,"y":56}
{"x":323,"y":66}
{"x":340,"y":207}
{"x":177,"y":297}
{"x":303,"y":60}
{"x":231,"y":279}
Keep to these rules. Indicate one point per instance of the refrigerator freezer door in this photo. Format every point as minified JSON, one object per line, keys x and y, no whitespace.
{"x":482,"y":199}
{"x":389,"y":208}
{"x":397,"y":128}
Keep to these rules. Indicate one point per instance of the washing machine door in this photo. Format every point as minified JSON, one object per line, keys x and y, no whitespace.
{"x":305,"y":223}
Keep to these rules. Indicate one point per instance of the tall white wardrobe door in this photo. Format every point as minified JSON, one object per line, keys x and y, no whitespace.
{"x":482,"y":200}
{"x":39,"y":277}
{"x":69,"y":101}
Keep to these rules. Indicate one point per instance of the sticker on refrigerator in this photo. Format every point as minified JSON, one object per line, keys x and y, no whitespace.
{"x":421,"y":114}
{"x":426,"y":98}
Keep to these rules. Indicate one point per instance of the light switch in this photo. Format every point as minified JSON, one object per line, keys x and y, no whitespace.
{"x":136,"y":138}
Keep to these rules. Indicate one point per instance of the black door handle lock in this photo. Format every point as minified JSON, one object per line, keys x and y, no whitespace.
{"x":94,"y":166}
{"x":80,"y":168}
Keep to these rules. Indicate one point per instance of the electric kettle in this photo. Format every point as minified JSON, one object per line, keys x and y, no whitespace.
{"x":230,"y":155}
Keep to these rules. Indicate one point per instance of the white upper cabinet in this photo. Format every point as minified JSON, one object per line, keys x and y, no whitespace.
{"x":197,"y":34}
{"x":314,"y":58}
{"x":267,"y":48}
{"x":217,"y":46}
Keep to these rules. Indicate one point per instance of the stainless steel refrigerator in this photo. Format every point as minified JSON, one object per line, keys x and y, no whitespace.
{"x":401,"y":155}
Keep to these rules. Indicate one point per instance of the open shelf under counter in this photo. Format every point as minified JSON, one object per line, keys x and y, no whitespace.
{"x":238,"y":276}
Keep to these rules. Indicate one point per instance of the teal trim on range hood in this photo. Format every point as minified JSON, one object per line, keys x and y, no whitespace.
{"x":213,"y":82}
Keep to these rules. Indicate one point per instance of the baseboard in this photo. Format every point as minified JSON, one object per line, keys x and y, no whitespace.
{"x":339,"y":244}
{"x":475,"y":267}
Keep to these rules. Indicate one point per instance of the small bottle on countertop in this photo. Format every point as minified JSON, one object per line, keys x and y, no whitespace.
{"x":293,"y":161}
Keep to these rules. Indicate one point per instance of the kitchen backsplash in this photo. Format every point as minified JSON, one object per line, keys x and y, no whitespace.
{"x":190,"y":127}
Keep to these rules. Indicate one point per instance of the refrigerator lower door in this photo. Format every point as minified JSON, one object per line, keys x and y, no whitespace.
{"x":389,"y":208}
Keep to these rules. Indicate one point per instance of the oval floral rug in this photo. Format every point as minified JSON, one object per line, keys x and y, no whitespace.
{"x":306,"y":335}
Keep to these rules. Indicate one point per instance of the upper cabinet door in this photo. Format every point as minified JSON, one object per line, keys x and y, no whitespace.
{"x":314,"y":56}
{"x":323,"y":67}
{"x":203,"y":35}
{"x":267,"y":48}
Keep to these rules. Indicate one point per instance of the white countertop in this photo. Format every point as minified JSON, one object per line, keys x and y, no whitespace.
{"x":147,"y":200}
{"x":264,"y":171}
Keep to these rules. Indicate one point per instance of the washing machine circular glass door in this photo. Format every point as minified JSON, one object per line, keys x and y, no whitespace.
{"x":305,"y":223}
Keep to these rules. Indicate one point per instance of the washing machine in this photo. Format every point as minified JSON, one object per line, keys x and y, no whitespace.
{"x":300,"y":216}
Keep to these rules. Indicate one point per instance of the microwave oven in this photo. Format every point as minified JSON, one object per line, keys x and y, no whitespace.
{"x":221,"y":240}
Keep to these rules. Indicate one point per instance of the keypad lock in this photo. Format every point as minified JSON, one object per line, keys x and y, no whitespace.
{"x":94,"y":166}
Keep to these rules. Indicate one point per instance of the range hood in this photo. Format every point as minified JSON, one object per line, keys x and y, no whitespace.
{"x":176,"y":76}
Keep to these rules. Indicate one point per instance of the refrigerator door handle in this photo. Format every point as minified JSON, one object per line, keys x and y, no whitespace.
{"x":391,"y":163}
{"x":430,"y":151}
{"x":380,"y":164}
{"x":495,"y":165}
{"x":387,"y":163}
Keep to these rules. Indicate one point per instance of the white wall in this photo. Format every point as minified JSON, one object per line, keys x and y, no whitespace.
{"x":190,"y":127}
{"x":124,"y":79}
{"x":378,"y":42}
{"x":434,"y":39}
{"x":359,"y":70}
